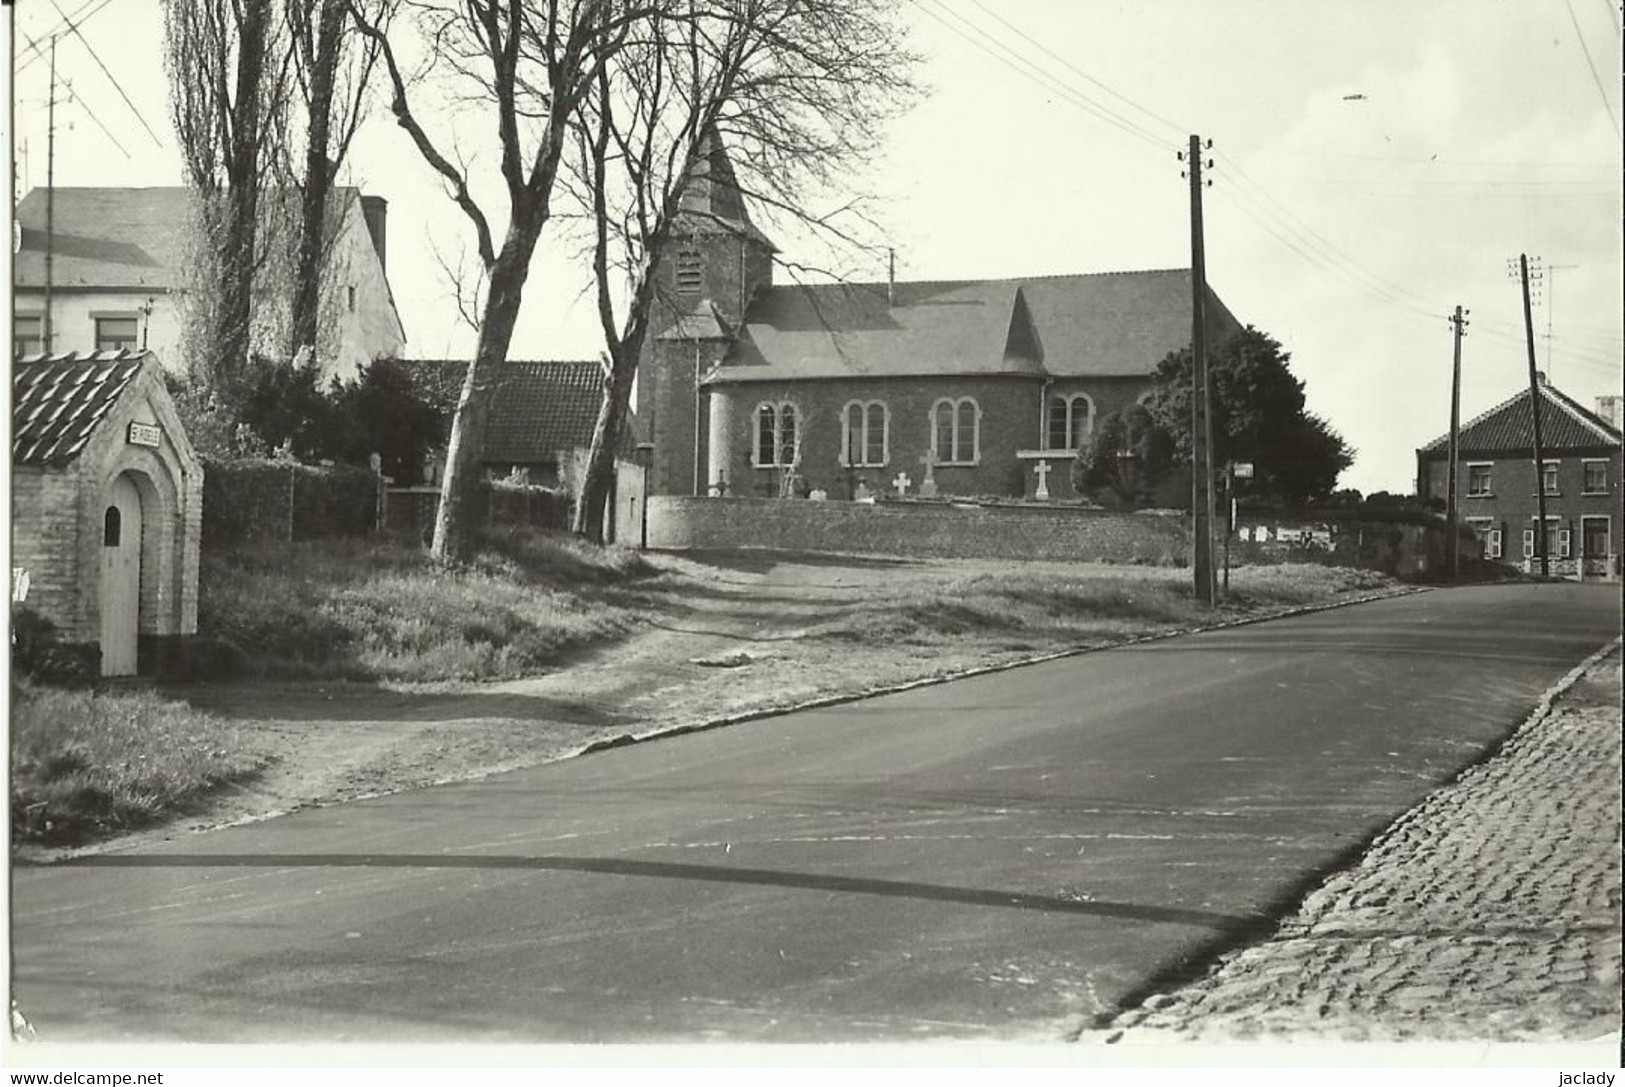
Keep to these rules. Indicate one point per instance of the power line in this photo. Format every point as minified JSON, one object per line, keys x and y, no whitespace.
{"x":1174,"y":126}
{"x":109,"y":75}
{"x":73,"y":97}
{"x":1014,"y":60}
{"x":68,"y":23}
{"x":1607,"y":106}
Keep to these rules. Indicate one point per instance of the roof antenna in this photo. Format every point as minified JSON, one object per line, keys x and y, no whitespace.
{"x":891,"y":276}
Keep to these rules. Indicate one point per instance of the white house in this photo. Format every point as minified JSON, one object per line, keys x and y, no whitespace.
{"x":120,"y":267}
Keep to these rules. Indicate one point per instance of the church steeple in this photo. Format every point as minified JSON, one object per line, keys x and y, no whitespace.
{"x":718,"y":257}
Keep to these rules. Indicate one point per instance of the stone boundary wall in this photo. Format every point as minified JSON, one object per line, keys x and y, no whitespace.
{"x":933,"y":529}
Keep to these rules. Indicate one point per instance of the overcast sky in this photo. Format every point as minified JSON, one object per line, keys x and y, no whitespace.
{"x":1376,"y":163}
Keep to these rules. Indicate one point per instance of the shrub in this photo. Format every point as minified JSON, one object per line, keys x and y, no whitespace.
{"x":38,"y":652}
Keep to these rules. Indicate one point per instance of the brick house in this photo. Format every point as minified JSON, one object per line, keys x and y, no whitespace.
{"x":1495,"y":483}
{"x":107,"y":503}
{"x":749,"y":388}
{"x":121,"y":266}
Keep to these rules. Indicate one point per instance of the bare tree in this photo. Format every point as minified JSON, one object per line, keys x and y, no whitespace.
{"x":793,"y":91}
{"x":529,"y":64}
{"x":332,"y":64}
{"x":227,"y":70}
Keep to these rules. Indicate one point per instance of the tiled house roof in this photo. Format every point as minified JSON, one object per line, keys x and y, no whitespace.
{"x":57,"y":401}
{"x":1509,"y":427}
{"x":538,"y":410}
{"x":130,"y":238}
{"x":1110,"y":324}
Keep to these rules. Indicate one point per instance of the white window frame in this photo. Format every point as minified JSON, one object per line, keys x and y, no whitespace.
{"x":96,"y":320}
{"x":1489,"y":479}
{"x":1552,"y":467}
{"x":778,"y":408}
{"x":1488,"y":536}
{"x":1586,"y":463}
{"x":1563,"y":539}
{"x":954,"y":443}
{"x":1068,"y":403}
{"x":38,"y":339}
{"x":863,"y":408}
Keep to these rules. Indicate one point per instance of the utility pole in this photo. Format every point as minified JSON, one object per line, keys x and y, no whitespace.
{"x":50,"y":201}
{"x":1534,"y":408}
{"x":1201,"y":426}
{"x":1452,"y":509}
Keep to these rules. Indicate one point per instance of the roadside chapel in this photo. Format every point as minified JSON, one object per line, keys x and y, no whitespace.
{"x":973,"y":388}
{"x":107,"y":504}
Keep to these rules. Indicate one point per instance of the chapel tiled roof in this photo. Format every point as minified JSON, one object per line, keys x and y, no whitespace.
{"x":1106,"y":324}
{"x":539,"y":408}
{"x":57,"y":401}
{"x":1509,"y":427}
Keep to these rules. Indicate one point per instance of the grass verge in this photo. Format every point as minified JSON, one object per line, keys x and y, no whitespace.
{"x":87,"y":764}
{"x":376,"y":609}
{"x":1023,"y":609}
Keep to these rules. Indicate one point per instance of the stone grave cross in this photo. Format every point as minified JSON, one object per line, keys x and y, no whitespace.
{"x":1042,"y":471}
{"x":902,"y":483}
{"x":928,"y":485}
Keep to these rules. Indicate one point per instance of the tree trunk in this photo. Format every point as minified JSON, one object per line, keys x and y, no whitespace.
{"x":456,"y":524}
{"x":242,"y":197}
{"x":318,"y":179}
{"x":599,"y":478}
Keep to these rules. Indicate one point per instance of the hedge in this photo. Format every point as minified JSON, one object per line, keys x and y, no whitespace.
{"x":254,"y":500}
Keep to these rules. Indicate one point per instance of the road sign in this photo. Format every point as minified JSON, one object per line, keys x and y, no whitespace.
{"x":1242,"y":470}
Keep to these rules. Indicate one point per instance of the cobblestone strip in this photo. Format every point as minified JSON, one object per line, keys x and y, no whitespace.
{"x":1490,"y":911}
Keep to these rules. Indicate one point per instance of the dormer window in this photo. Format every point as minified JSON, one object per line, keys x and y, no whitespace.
{"x":689,"y":271}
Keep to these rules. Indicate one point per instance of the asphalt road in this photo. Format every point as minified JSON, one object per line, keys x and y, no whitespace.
{"x":999,"y":857}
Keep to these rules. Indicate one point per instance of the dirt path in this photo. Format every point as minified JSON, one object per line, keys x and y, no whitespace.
{"x":723,"y":639}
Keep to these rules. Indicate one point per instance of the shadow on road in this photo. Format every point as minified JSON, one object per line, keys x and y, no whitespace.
{"x":969,"y":896}
{"x":358,"y":702}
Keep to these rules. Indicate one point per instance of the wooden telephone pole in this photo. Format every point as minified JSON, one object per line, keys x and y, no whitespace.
{"x":1534,"y":408}
{"x":50,"y":201}
{"x":1201,"y":425}
{"x":1452,"y":508}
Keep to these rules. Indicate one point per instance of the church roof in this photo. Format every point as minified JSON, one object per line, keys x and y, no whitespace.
{"x":57,"y":401}
{"x":1509,"y":427}
{"x":1108,"y":324}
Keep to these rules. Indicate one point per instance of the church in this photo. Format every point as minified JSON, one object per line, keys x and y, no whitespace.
{"x":980,"y":388}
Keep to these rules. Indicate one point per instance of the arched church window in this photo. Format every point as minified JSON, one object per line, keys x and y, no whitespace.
{"x":1071,"y":421}
{"x":955,"y":428}
{"x":112,"y":526}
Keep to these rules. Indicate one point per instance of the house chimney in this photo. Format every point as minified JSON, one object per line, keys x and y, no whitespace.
{"x":1612,"y":409}
{"x":375,"y":209}
{"x":1540,"y":376}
